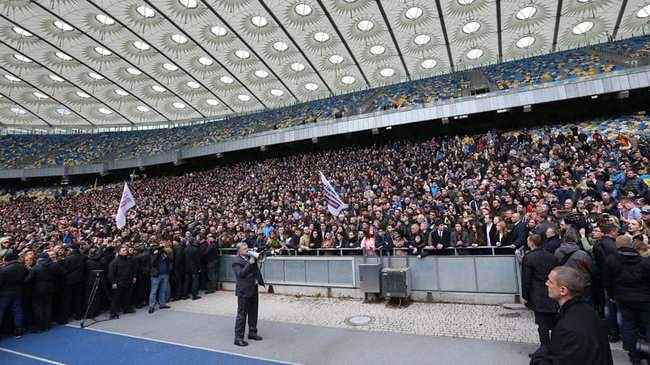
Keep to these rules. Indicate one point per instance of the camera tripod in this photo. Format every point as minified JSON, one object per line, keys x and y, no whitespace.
{"x":91,"y":298}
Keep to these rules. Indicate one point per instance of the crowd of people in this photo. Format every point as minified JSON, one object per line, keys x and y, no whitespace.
{"x":20,"y":151}
{"x":576,"y":186}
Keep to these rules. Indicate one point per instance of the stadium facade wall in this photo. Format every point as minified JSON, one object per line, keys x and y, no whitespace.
{"x":550,"y":92}
{"x":457,"y":279}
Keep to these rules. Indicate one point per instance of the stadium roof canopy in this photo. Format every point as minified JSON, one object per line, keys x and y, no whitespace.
{"x":129,"y":62}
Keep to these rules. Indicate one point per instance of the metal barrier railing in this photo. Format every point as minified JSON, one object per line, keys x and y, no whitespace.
{"x":403,"y":251}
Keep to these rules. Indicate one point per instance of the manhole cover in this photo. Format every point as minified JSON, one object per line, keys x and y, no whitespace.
{"x":510,"y":315}
{"x":359,"y":320}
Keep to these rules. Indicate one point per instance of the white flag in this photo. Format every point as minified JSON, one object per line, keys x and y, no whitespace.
{"x":127,"y":202}
{"x":334,"y":203}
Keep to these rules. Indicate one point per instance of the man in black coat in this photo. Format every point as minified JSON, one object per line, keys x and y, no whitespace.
{"x":12,"y":278}
{"x":95,"y":270}
{"x":603,"y":249}
{"x":122,"y":276}
{"x":43,"y":278}
{"x":627,"y":280}
{"x":440,"y":237}
{"x":248,"y":278}
{"x":535,"y":267}
{"x":578,"y":337}
{"x":193,"y":253}
{"x":519,"y":232}
{"x":178,"y":272}
{"x":74,"y":266}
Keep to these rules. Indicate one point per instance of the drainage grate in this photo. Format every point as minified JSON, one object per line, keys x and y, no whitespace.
{"x":362,"y":320}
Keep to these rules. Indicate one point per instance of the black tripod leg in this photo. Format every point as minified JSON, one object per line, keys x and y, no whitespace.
{"x":91,"y":299}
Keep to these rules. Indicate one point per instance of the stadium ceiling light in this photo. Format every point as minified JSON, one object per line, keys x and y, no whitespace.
{"x":302,"y":9}
{"x":243,"y":54}
{"x":103,"y":51}
{"x":179,"y":38}
{"x":143,"y":46}
{"x":63,"y":56}
{"x":365,"y":25}
{"x":63,"y":111}
{"x":297,"y":66}
{"x":21,"y":31}
{"x":18,"y":111}
{"x":82,"y":95}
{"x":56,"y":78}
{"x":277,"y":92}
{"x":243,"y":97}
{"x":259,"y":21}
{"x":212,"y":102}
{"x":348,"y":80}
{"x":311,"y":86}
{"x":104,"y":19}
{"x":63,"y":25}
{"x":429,"y":63}
{"x":146,"y":11}
{"x":104,"y":111}
{"x":584,"y":1}
{"x":377,"y":49}
{"x":583,"y":27}
{"x":321,"y":37}
{"x":350,"y":1}
{"x":22,"y":58}
{"x":525,"y":42}
{"x":280,"y":46}
{"x":644,"y":12}
{"x":474,"y":54}
{"x":142,"y":108}
{"x":193,"y":84}
{"x":465,"y":2}
{"x":471,"y":27}
{"x":190,"y":4}
{"x":387,"y":72}
{"x":261,"y":74}
{"x":413,"y":13}
{"x":169,"y":67}
{"x":40,"y":95}
{"x":133,"y":71}
{"x":526,"y":13}
{"x":227,"y":79}
{"x":335,"y":59}
{"x":219,"y":31}
{"x":206,"y":61}
{"x":12,"y":78}
{"x":95,"y":75}
{"x":158,"y":88}
{"x":178,"y":105}
{"x":120,"y":92}
{"x":422,"y":39}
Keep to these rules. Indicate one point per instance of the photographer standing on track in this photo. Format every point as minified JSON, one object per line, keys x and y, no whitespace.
{"x":248,"y":278}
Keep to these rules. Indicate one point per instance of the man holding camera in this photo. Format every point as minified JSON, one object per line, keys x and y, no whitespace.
{"x":248,"y":278}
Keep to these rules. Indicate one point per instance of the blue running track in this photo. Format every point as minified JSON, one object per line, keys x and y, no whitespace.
{"x":71,"y":345}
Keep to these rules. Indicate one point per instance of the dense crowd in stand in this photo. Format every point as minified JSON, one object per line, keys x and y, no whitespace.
{"x":17,"y":151}
{"x":577,"y":186}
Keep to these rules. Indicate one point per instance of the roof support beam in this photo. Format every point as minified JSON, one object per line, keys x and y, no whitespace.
{"x":68,"y":81}
{"x":281,"y":25}
{"x":499,"y":30}
{"x":85,"y":64}
{"x":558,"y":16}
{"x":441,"y":17}
{"x":619,"y":19}
{"x":392,"y":36}
{"x":24,"y":108}
{"x":347,"y":47}
{"x":162,"y":54}
{"x":118,"y":55}
{"x":211,"y":8}
{"x":189,"y":36}
{"x":49,"y":95}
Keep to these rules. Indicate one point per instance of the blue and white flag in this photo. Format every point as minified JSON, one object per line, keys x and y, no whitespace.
{"x":334,"y":203}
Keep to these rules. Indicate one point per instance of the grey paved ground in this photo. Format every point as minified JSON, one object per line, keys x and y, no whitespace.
{"x":330,"y":342}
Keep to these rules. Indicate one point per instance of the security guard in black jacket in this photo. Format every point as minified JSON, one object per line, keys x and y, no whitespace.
{"x":248,"y":278}
{"x":122,"y":276}
{"x":43,"y":277}
{"x":12,"y":278}
{"x":74,"y":266}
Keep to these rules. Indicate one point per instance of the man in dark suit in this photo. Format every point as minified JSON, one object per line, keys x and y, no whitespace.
{"x":579,"y":336}
{"x":519,"y":232}
{"x":489,"y":231}
{"x":248,"y":277}
{"x":440,"y":237}
{"x":535,"y":267}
